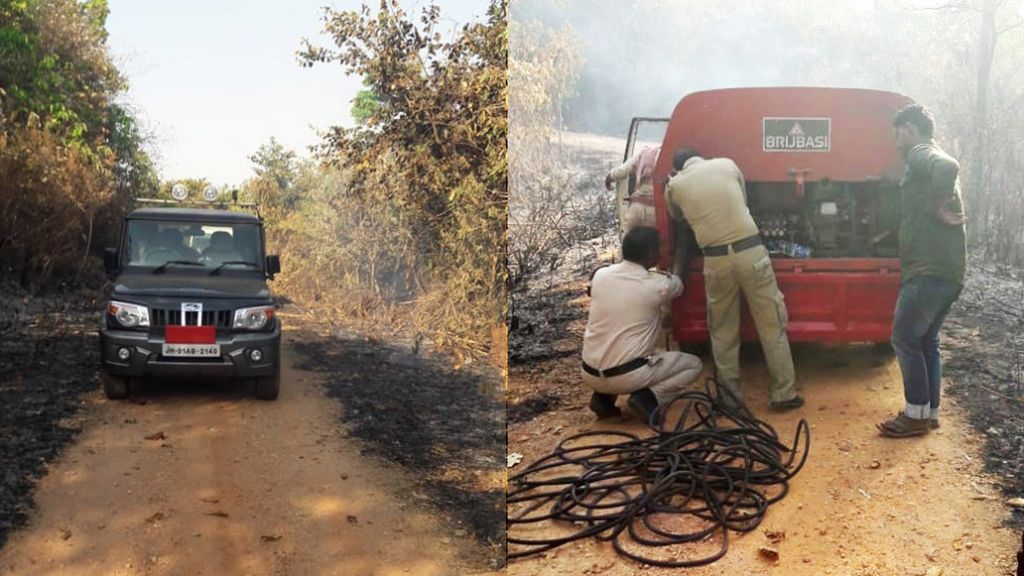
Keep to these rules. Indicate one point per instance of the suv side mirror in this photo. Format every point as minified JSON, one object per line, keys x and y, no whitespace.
{"x":110,"y":260}
{"x":273,"y":265}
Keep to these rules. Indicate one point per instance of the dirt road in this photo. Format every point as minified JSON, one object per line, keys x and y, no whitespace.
{"x":229,"y":485}
{"x":863,"y":505}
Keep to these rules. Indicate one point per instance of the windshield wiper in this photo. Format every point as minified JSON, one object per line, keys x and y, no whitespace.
{"x":163,"y":267}
{"x":223,"y":264}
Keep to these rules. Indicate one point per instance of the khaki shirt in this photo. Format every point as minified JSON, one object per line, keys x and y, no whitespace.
{"x":713,"y":199}
{"x":625,"y":313}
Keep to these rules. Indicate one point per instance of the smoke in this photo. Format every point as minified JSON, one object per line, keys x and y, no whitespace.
{"x":641,"y":58}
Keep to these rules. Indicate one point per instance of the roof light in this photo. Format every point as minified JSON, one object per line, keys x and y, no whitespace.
{"x":179,"y":192}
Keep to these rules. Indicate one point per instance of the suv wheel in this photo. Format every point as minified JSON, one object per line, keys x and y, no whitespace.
{"x":267,"y":388}
{"x":115,"y":387}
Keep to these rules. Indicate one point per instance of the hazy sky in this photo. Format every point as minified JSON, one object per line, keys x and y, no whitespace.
{"x":214,"y":79}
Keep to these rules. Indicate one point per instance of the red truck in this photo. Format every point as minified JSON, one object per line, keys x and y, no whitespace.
{"x":821,"y":170}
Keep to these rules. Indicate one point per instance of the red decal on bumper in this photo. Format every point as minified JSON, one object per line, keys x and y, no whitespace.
{"x":190,"y":335}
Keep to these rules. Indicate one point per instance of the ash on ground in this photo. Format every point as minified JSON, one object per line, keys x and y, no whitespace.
{"x":49,"y":351}
{"x":445,"y":425}
{"x":982,"y":339}
{"x":983,"y":367}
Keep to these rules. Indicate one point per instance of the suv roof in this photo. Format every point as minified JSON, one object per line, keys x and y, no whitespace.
{"x":192,"y":214}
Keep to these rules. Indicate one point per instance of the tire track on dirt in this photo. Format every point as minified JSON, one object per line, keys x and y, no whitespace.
{"x":235,"y":486}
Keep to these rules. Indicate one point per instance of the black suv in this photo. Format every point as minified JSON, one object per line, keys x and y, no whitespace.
{"x":190,"y":298}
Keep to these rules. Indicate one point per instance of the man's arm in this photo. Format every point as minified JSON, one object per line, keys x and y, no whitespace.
{"x":743,"y":183}
{"x":680,"y":230}
{"x":622,"y":171}
{"x":942,"y":171}
{"x":669,"y":286}
{"x":590,"y":281}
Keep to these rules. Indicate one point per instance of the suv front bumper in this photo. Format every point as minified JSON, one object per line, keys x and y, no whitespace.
{"x":147,"y":360}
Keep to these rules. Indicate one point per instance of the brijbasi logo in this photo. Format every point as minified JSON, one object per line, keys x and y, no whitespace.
{"x":797,"y":134}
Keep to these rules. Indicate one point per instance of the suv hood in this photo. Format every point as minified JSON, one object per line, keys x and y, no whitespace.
{"x":191,"y":286}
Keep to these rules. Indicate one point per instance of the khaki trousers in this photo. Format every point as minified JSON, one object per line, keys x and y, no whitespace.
{"x":667,"y":374}
{"x":749,"y":271}
{"x":638,"y":215}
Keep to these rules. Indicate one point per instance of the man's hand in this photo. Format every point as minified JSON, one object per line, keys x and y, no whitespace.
{"x":943,"y":214}
{"x":608,"y":182}
{"x":950,"y":218}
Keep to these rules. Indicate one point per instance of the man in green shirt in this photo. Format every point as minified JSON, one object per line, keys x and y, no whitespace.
{"x":933,"y":260}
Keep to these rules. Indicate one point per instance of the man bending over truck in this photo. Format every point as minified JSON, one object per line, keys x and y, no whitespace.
{"x":625,"y":315}
{"x":641,"y":198}
{"x":933,"y":261}
{"x":710,"y":196}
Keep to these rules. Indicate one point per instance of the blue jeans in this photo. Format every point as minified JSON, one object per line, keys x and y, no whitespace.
{"x":921,"y":308}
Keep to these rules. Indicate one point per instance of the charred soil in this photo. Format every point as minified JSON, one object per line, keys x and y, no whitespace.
{"x":863,"y":505}
{"x":372,"y":460}
{"x":445,"y":425}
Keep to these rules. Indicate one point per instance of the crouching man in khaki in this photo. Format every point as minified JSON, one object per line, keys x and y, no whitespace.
{"x":618,"y":345}
{"x":710,"y":196}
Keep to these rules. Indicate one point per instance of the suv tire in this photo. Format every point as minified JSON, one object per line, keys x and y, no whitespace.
{"x":267,"y":388}
{"x":115,"y":387}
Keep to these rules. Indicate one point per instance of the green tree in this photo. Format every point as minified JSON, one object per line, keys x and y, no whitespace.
{"x":71,"y":157}
{"x":431,"y":157}
{"x":276,"y":169}
{"x":365,"y":104}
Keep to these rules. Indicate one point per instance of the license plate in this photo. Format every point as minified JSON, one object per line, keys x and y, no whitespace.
{"x":192,"y":350}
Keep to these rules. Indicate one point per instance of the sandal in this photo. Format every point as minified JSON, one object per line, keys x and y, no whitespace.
{"x":903,"y":426}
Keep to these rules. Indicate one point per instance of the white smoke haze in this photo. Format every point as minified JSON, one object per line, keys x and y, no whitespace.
{"x":961,"y":58}
{"x":641,"y":57}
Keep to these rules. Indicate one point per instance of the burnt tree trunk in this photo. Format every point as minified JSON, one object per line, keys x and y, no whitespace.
{"x":977,"y":180}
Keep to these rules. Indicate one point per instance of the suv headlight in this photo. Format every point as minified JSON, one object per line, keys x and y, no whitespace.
{"x":129,"y":315}
{"x":253,"y":318}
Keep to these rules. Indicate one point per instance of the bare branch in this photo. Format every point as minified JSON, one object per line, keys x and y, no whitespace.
{"x":1008,"y":27}
{"x":951,"y":7}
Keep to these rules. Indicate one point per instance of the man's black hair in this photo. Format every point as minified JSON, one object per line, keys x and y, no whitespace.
{"x":681,"y":156}
{"x":917,"y":115}
{"x":640,"y":245}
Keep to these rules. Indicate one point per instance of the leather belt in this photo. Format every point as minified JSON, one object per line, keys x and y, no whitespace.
{"x":737,"y":246}
{"x":615,"y":370}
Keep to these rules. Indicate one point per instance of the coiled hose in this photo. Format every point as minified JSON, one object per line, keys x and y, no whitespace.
{"x":715,"y":463}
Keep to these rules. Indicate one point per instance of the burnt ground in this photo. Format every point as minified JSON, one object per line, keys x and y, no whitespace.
{"x":547,"y":313}
{"x":49,"y":349}
{"x":983,"y":360}
{"x":983,"y":353}
{"x":446,"y":425}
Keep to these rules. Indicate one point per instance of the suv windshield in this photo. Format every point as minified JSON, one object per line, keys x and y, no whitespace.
{"x":155,"y":243}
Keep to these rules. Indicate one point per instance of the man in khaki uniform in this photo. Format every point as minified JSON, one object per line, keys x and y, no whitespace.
{"x":641,"y":198}
{"x":618,"y":353}
{"x":710,"y":196}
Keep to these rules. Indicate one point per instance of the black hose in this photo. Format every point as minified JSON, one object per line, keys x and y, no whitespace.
{"x":716,"y":463}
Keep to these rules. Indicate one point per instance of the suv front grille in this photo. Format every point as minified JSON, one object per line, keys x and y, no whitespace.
{"x":163,"y":316}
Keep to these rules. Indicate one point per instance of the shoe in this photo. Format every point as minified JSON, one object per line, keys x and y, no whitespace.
{"x":603,"y":405}
{"x":787,"y":405}
{"x":644,"y":403}
{"x":903,"y":426}
{"x":933,"y":423}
